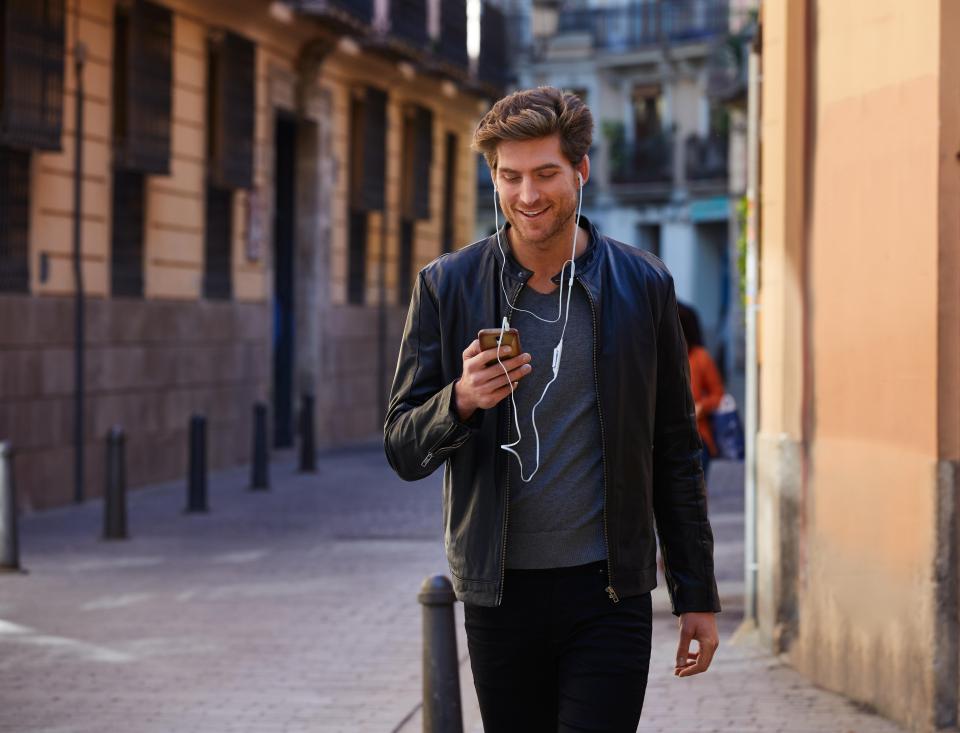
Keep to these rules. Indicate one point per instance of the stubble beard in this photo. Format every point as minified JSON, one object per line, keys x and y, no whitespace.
{"x":551,"y":238}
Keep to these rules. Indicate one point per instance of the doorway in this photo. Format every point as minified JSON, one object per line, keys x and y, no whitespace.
{"x":284,"y":217}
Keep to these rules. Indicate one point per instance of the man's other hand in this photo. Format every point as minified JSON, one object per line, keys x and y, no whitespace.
{"x":703,"y":628}
{"x":483,"y":384}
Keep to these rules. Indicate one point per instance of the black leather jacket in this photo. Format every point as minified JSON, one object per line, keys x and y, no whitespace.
{"x":650,"y":444}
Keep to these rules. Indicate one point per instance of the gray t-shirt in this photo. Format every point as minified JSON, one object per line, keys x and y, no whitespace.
{"x":556,"y":520}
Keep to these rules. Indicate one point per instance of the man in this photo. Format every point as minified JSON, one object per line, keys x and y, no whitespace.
{"x":553,"y":551}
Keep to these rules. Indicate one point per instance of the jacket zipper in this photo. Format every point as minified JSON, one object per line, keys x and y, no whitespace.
{"x":603,"y":446}
{"x":434,"y":450}
{"x":506,"y":510}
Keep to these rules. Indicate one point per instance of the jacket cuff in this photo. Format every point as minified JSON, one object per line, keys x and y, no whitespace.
{"x":695,"y":598}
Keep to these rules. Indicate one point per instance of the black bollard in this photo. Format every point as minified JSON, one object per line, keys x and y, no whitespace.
{"x":197,"y":486}
{"x":441,"y":669}
{"x":115,"y":491}
{"x":308,"y":450}
{"x":259,"y":476}
{"x":9,"y":543}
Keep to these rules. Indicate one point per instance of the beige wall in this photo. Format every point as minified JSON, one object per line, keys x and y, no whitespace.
{"x":854,"y":245}
{"x":175,"y":203}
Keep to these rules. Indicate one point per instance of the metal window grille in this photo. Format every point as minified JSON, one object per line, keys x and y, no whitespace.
{"x":406,"y":260}
{"x":493,"y":66}
{"x":373,"y":151}
{"x":449,"y":190}
{"x":357,"y":260}
{"x":31,"y":73}
{"x":143,"y":80}
{"x":14,"y":220}
{"x":126,"y":251}
{"x":422,"y":162}
{"x":453,"y":33}
{"x":231,"y":94}
{"x":408,"y":20}
{"x":218,"y":244}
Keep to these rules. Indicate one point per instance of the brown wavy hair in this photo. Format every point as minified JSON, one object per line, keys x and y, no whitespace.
{"x":534,"y":113}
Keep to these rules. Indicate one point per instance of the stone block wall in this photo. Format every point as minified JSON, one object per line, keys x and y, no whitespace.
{"x":150,"y":365}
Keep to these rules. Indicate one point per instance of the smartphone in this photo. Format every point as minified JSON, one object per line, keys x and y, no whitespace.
{"x":490,"y":337}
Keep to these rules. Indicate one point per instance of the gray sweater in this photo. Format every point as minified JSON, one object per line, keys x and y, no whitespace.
{"x":556,"y":520}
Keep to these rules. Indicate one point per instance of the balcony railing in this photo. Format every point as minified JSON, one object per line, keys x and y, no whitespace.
{"x":649,"y":160}
{"x":706,"y":157}
{"x":648,"y":22}
{"x":346,"y":12}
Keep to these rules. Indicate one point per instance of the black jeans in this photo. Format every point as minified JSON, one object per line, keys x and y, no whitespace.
{"x":559,"y":655}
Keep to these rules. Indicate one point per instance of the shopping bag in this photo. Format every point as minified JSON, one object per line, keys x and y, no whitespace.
{"x":727,"y":429}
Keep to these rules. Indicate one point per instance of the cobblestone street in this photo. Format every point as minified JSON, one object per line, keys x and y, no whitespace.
{"x":295,"y":610}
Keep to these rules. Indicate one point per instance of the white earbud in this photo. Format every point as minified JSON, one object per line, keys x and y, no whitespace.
{"x":580,"y":178}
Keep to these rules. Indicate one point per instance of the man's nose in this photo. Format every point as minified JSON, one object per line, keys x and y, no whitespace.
{"x":529,"y":193}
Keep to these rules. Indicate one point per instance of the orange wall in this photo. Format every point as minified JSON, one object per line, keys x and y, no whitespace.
{"x":867,"y":211}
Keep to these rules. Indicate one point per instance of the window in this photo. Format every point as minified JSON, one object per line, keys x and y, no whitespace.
{"x":31,"y":73}
{"x":649,"y":235}
{"x":230,"y":110}
{"x":217,"y":243}
{"x":142,"y":82}
{"x":231,"y":78}
{"x":449,"y":190}
{"x":647,"y":111}
{"x":417,"y":159}
{"x":15,"y":215}
{"x":126,"y":247}
{"x":368,"y":141}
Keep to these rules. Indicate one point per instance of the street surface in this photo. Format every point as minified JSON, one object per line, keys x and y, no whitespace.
{"x":296,"y":610}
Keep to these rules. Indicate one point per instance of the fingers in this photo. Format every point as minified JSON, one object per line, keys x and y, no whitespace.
{"x":683,"y":648}
{"x":689,"y":663}
{"x":472,"y":350}
{"x":516,"y":367}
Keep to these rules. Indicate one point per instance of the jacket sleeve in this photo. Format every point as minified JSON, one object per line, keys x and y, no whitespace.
{"x":679,"y":494}
{"x":422,"y":427}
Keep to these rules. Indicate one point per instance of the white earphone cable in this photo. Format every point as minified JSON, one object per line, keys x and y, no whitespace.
{"x":557,"y":350}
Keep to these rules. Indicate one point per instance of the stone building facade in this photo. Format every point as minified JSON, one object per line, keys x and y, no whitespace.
{"x":260,"y":183}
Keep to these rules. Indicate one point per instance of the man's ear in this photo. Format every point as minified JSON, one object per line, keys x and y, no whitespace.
{"x":583,"y":169}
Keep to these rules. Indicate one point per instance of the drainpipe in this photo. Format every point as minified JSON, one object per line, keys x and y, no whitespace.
{"x":79,"y":58}
{"x":752,"y":386}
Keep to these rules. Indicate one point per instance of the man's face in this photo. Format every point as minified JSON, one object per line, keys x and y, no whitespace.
{"x":538,"y":187}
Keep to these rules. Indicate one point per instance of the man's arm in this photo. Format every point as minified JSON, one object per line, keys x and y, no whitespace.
{"x":422,"y":426}
{"x":679,"y":495}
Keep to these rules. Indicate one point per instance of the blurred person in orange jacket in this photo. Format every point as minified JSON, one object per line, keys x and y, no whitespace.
{"x":705,"y":381}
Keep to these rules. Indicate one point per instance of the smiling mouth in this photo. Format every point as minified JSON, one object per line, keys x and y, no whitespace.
{"x":530,"y":215}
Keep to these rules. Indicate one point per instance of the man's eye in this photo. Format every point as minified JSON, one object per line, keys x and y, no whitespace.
{"x":548,"y":175}
{"x":511,"y":179}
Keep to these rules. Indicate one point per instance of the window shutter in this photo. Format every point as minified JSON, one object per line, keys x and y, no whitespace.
{"x":422,"y":162}
{"x":374,"y":150}
{"x":453,"y":33}
{"x":31,"y":73}
{"x":144,"y":77}
{"x":493,"y":66}
{"x":408,"y":20}
{"x":232,"y":79}
{"x":15,"y":216}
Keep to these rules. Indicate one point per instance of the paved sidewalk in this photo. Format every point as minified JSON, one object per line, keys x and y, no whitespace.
{"x":295,"y":611}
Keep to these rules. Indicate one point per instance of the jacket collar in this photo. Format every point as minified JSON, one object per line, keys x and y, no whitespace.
{"x":516,"y":272}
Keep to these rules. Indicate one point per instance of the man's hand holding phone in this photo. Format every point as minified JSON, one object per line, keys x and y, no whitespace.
{"x":483,"y":384}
